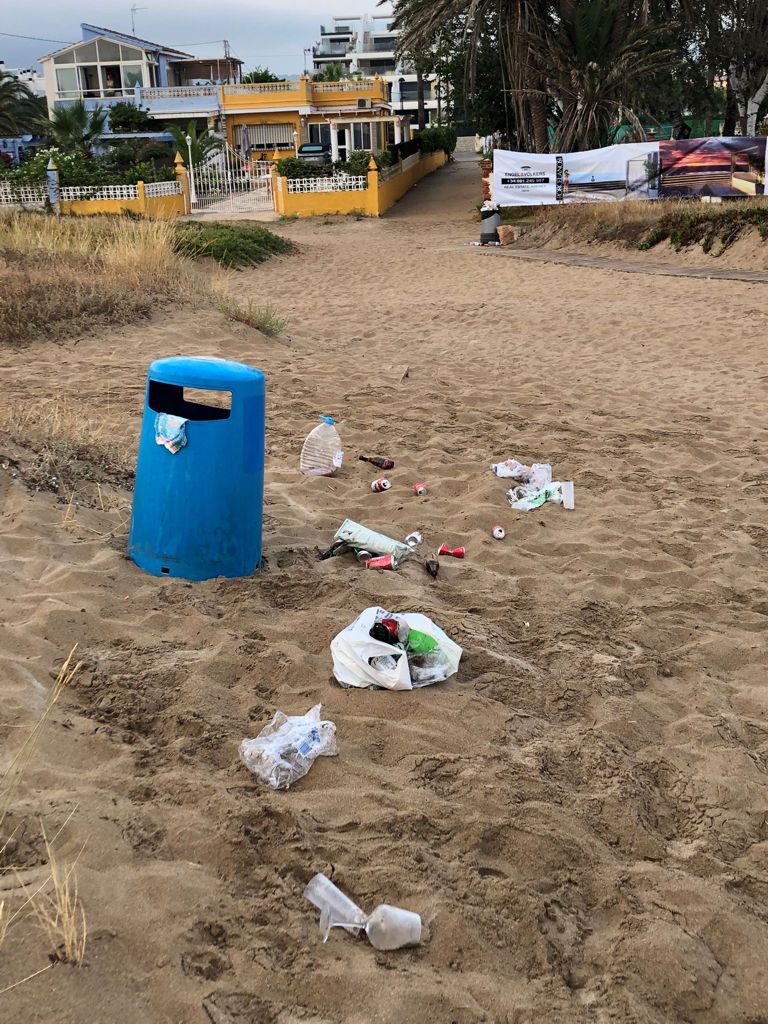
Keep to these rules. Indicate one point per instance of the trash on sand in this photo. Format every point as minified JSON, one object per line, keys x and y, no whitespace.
{"x":337,"y":548}
{"x":498,"y":531}
{"x":379,"y":460}
{"x":528,"y":496}
{"x":382,"y":484}
{"x":381,"y":562}
{"x":453,"y":552}
{"x":433,"y":567}
{"x":535,"y":485}
{"x":322,"y":454}
{"x":355,"y":652}
{"x":284,"y":750}
{"x":170,"y":431}
{"x":357,"y":537}
{"x":539,"y":474}
{"x":387,"y":927}
{"x":420,"y":489}
{"x":414,"y":539}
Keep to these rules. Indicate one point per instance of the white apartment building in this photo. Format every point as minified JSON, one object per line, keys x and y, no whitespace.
{"x":366,"y":44}
{"x":29,"y":76}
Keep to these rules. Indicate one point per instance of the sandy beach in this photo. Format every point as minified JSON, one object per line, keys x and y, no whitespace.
{"x":579,"y":815}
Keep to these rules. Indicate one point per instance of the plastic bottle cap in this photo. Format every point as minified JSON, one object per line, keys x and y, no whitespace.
{"x":329,"y":420}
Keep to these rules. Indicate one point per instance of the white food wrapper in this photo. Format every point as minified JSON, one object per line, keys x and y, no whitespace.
{"x":284,"y":750}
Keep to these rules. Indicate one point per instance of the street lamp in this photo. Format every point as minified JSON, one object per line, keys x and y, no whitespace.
{"x":191,"y":173}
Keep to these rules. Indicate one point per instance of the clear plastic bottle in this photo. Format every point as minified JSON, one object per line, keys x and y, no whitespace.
{"x":322,"y":454}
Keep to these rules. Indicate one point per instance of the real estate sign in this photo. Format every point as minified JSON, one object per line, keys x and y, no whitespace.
{"x":714,"y":167}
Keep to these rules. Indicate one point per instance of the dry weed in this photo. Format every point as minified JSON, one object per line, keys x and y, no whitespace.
{"x":65,"y":276}
{"x":59,"y":910}
{"x":11,"y":778}
{"x":69,"y":444}
{"x":263,"y":318}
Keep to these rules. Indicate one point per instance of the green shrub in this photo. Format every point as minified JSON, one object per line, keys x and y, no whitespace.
{"x":77,"y":169}
{"x":263,"y":318}
{"x":127,"y":117}
{"x":236,"y":244}
{"x":439,"y":136}
{"x":357,"y":162}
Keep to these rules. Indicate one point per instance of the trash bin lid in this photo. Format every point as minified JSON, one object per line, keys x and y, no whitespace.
{"x":206,"y":372}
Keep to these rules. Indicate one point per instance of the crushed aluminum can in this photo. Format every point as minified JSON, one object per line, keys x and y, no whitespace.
{"x":382,"y":484}
{"x":420,"y":489}
{"x":363,"y":555}
{"x":382,"y":562}
{"x":414,"y":539}
{"x":433,"y":567}
{"x":498,"y":531}
{"x":453,"y":552}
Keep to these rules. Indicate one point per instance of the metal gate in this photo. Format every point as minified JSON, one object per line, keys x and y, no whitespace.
{"x":226,"y":183}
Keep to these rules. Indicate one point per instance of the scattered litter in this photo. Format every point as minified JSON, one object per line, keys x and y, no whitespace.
{"x":527,"y":496}
{"x":433,"y":567}
{"x":535,"y":486}
{"x":362,"y":555}
{"x":171,"y":431}
{"x":387,"y":927}
{"x":453,"y":552}
{"x":420,"y":489}
{"x":357,"y":649}
{"x":414,"y":539}
{"x":381,"y":562}
{"x":498,"y":531}
{"x":379,"y":460}
{"x":322,"y":454}
{"x":356,"y":537}
{"x":382,"y":484}
{"x":539,"y":474}
{"x":284,"y":750}
{"x":406,"y":373}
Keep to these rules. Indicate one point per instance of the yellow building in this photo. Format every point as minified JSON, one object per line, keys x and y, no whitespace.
{"x":269,"y":120}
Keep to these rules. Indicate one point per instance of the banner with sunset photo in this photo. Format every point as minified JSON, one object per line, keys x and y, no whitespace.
{"x":711,"y":167}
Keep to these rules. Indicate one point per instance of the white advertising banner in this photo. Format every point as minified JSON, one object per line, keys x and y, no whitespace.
{"x":637,"y":170}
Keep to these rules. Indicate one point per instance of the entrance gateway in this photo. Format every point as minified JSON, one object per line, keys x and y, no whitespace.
{"x":226,"y":182}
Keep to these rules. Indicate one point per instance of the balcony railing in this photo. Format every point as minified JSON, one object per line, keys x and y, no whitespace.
{"x":347,"y":85}
{"x":249,"y":88}
{"x":178,"y":92}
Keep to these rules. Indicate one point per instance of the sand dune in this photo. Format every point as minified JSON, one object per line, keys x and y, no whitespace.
{"x":579,"y":815}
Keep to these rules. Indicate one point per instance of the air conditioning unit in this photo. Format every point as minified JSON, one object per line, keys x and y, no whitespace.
{"x":363,"y":104}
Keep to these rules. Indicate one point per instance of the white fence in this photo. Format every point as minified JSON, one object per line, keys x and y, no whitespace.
{"x":162,"y":188}
{"x":338,"y":183}
{"x":245,"y":88}
{"x":349,"y":85}
{"x":29,"y":196}
{"x":72,"y":192}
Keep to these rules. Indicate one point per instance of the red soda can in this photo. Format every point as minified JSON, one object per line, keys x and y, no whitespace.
{"x":382,"y":562}
{"x":382,"y":484}
{"x":420,"y":489}
{"x":392,"y":625}
{"x":453,"y":552}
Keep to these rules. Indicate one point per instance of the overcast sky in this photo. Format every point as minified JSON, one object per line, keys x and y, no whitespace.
{"x":267,"y":32}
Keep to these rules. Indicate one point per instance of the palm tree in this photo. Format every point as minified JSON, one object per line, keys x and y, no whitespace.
{"x":199,"y":145}
{"x":520,"y":28}
{"x":598,"y":56}
{"x":332,"y":72}
{"x":21,"y":111}
{"x":78,"y":127}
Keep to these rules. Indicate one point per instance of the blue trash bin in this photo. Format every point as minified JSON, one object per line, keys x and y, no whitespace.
{"x":197,"y":502}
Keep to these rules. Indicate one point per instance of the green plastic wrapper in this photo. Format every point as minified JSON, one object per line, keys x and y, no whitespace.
{"x":421,"y":643}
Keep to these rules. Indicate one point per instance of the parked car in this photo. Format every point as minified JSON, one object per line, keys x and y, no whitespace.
{"x":314,"y":153}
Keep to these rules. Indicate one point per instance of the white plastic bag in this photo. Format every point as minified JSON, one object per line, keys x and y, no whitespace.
{"x":284,"y":750}
{"x":352,"y":648}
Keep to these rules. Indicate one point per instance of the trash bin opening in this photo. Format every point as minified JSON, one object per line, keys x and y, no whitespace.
{"x":180,"y":401}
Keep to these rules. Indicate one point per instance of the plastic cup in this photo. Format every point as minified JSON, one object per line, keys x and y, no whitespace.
{"x":392,"y":928}
{"x":336,"y":909}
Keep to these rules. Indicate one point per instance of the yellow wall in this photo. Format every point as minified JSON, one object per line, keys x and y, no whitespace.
{"x":162,"y":207}
{"x":372,"y":201}
{"x":394,"y":189}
